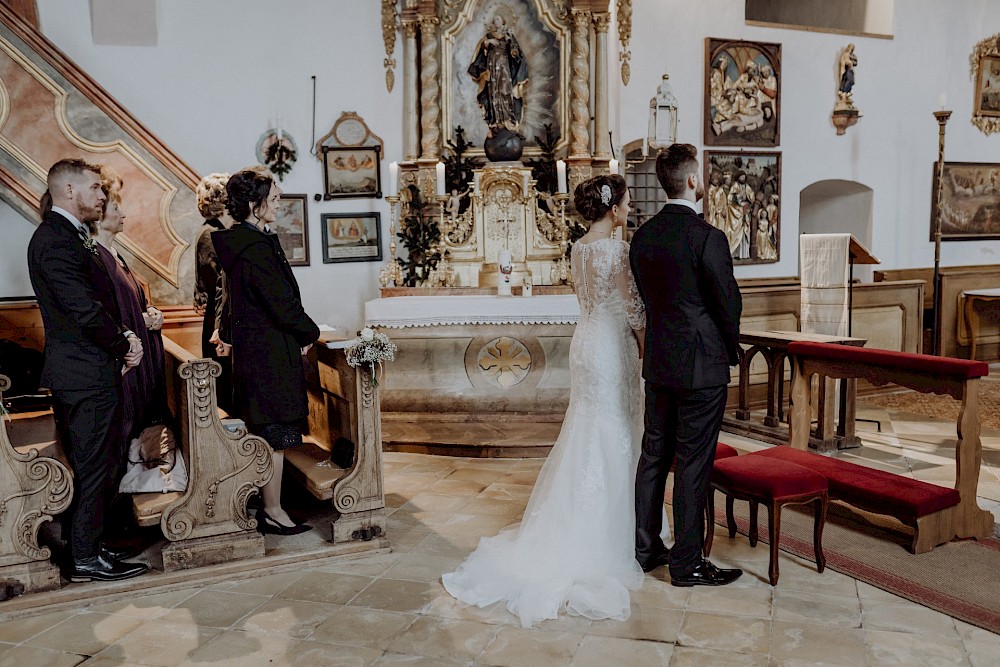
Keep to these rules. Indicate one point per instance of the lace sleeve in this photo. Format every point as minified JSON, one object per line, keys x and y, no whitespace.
{"x":635,"y":310}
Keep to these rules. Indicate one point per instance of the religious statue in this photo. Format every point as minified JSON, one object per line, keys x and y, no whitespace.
{"x":501,"y":70}
{"x":848,"y":61}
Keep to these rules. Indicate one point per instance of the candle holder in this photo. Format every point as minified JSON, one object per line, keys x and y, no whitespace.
{"x":942,"y":120}
{"x":392,"y":272}
{"x":561,"y":273}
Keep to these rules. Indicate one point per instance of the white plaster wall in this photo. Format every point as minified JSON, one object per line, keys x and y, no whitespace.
{"x":216,"y":78}
{"x":222,"y":71}
{"x":15,"y":232}
{"x":891,"y":149}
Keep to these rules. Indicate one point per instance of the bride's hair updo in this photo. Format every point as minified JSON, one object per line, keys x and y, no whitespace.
{"x":595,"y":197}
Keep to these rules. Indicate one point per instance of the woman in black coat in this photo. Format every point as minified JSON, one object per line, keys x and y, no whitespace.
{"x":268,"y":329}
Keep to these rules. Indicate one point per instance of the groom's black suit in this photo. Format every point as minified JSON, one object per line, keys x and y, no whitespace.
{"x":84,"y":347}
{"x":684,"y":273}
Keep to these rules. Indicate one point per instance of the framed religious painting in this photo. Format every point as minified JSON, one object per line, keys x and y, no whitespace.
{"x":742,"y":93}
{"x":743,"y":199}
{"x":292,"y":227}
{"x":985,"y":60}
{"x":351,"y":237}
{"x":351,"y":172}
{"x":970,"y":201}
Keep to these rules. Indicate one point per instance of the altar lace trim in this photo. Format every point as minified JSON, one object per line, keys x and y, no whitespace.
{"x":406,"y":312}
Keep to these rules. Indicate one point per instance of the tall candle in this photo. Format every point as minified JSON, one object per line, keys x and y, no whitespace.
{"x":561,"y":176}
{"x":280,"y":135}
{"x":439,"y":169}
{"x":393,"y":178}
{"x":645,"y":147}
{"x":943,"y":100}
{"x":613,"y":166}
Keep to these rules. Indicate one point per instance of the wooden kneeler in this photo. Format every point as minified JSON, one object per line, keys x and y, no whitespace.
{"x":761,"y":482}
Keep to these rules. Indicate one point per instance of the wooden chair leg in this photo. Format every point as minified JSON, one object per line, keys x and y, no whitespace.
{"x":820,"y":505}
{"x":774,"y":530}
{"x":753,"y":523}
{"x":709,"y":523}
{"x":730,"y":519}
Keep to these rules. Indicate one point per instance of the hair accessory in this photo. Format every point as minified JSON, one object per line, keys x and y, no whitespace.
{"x":606,"y":194}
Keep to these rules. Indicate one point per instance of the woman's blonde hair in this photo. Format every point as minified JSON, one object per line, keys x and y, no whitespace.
{"x":211,"y":193}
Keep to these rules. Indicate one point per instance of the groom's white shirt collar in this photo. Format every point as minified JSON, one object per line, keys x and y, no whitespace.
{"x":682,"y":202}
{"x":72,"y":218}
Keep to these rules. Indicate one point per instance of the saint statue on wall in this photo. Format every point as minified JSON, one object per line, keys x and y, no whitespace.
{"x":501,"y":70}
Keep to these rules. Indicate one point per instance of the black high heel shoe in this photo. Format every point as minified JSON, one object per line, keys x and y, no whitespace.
{"x":266,"y":524}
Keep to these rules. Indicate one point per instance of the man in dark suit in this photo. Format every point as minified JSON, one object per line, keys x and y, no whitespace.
{"x":684,"y":273}
{"x":86,"y":351}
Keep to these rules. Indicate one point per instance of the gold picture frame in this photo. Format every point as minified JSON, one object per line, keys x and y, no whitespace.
{"x":984,"y":66}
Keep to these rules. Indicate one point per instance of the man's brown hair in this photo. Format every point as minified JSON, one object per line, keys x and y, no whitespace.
{"x":673,"y":166}
{"x":63,"y":168}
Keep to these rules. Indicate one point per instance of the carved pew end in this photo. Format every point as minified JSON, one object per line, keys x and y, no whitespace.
{"x":212,"y":550}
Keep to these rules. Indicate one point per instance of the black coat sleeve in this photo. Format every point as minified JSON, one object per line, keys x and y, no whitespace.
{"x":66,"y":274}
{"x":722,"y":294}
{"x":279,"y":298}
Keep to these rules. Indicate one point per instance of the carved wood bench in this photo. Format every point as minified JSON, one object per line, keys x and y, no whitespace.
{"x":937,"y":514}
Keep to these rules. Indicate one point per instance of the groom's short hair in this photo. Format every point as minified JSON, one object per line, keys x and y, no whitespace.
{"x":673,"y":166}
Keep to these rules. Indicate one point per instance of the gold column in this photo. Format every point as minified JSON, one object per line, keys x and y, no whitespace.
{"x":602,"y":140}
{"x":411,"y":115}
{"x":430,"y":90}
{"x":580,"y":86}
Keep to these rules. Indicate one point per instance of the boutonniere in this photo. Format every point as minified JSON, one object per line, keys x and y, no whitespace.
{"x":90,"y":243}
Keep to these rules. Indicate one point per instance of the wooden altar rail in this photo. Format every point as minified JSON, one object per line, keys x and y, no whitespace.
{"x":772,"y":346}
{"x":923,"y":373}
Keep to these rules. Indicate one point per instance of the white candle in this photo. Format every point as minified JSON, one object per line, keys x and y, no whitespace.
{"x":439,"y":169}
{"x":943,"y":101}
{"x":280,"y":135}
{"x":561,"y":176}
{"x":393,"y":179}
{"x":613,"y":167}
{"x":504,"y":267}
{"x":645,"y":147}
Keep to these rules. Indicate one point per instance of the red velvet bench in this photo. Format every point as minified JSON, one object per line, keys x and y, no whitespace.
{"x":937,"y":514}
{"x":774,"y":484}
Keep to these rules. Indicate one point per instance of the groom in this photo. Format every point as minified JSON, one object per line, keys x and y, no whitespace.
{"x":684,"y":273}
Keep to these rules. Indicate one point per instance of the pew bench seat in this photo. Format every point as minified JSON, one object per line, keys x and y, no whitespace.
{"x":310,"y":465}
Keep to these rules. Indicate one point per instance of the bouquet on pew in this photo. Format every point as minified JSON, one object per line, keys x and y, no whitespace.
{"x":370,"y":347}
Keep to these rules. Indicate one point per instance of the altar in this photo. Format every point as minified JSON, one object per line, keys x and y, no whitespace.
{"x":477,"y":357}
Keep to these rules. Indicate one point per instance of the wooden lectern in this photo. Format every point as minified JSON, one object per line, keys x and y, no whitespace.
{"x":857,"y":254}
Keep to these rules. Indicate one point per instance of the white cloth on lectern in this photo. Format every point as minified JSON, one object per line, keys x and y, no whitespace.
{"x":825,"y":265}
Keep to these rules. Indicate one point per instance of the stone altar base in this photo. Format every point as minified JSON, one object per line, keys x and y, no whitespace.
{"x":37,"y":576}
{"x":202,"y":551}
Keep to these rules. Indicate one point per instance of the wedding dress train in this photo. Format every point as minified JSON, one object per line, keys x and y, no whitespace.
{"x":574,"y":548}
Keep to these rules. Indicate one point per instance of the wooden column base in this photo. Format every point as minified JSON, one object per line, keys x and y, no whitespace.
{"x":201,"y":551}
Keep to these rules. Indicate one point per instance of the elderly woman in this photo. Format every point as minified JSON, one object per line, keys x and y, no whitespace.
{"x":268,"y":329}
{"x":143,"y":399}
{"x":211,"y":194}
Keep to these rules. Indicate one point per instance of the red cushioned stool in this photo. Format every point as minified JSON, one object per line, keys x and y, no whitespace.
{"x":759,"y":481}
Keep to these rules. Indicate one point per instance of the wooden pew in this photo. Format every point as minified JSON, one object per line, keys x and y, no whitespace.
{"x":937,"y":515}
{"x":33,"y":488}
{"x":207,"y":523}
{"x":344,"y":403}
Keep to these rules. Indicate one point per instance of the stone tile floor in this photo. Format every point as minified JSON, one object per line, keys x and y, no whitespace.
{"x":390,"y":609}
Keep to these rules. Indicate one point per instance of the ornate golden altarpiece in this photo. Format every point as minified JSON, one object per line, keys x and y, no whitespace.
{"x":503,"y":210}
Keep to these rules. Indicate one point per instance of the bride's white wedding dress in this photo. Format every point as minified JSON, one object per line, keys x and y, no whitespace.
{"x":575,"y":546}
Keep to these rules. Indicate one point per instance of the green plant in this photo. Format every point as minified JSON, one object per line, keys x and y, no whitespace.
{"x":419,"y":234}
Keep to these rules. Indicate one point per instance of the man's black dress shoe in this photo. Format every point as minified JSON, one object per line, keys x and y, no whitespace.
{"x":659,"y":560}
{"x":102,"y":569}
{"x":266,"y":524}
{"x":118,"y":553}
{"x":706,"y":574}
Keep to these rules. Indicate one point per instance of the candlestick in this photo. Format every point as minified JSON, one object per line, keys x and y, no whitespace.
{"x":561,"y":176}
{"x":942,"y":119}
{"x":439,"y":169}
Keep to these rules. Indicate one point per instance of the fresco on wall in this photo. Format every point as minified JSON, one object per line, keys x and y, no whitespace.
{"x":742,"y":93}
{"x":743,"y":199}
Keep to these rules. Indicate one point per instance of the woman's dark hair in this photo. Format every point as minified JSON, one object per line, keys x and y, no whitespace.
{"x":587,"y":196}
{"x":246,"y":192}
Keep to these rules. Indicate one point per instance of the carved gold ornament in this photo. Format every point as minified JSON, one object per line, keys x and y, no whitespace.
{"x":984,"y":66}
{"x":624,"y":36}
{"x":505,"y":361}
{"x":389,"y":15}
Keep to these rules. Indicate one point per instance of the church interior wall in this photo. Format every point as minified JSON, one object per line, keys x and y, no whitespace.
{"x":216,"y":80}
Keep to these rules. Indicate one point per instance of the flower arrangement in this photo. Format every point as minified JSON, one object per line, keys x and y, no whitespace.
{"x":369,"y":348}
{"x":90,"y":243}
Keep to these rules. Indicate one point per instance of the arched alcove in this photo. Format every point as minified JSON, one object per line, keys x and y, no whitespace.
{"x":838,"y":207}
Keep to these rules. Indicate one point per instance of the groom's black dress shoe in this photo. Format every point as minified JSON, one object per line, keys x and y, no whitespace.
{"x":706,"y":574}
{"x":101,"y":569}
{"x":110,"y":553}
{"x":659,"y":560}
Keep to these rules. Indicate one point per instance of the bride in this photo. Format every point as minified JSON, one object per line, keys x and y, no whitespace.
{"x":574,"y":548}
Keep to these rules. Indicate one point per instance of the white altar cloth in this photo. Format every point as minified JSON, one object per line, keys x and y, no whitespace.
{"x":400,"y":312}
